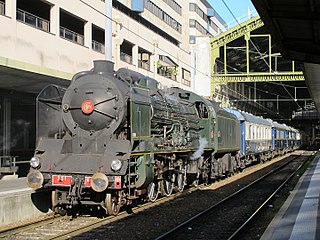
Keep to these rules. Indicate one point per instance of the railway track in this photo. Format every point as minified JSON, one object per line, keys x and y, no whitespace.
{"x":63,"y":228}
{"x":241,"y":207}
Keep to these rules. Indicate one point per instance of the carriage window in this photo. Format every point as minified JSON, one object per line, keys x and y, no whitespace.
{"x":202,"y":110}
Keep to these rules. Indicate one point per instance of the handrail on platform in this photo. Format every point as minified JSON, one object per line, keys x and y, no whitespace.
{"x":8,"y":165}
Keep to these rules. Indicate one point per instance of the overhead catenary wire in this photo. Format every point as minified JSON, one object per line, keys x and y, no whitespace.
{"x":258,"y":51}
{"x":244,"y":97}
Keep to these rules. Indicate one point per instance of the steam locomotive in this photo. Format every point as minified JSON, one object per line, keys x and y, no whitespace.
{"x":113,"y":138}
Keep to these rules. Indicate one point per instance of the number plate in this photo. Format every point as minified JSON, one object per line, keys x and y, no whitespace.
{"x":59,"y":180}
{"x":87,"y":181}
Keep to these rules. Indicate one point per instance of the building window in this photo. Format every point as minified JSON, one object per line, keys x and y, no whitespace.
{"x":167,"y":68}
{"x":98,"y":37}
{"x":137,"y":17}
{"x":214,"y":26}
{"x":174,"y":5}
{"x":195,"y":24}
{"x":71,"y":28}
{"x":153,"y":8}
{"x":144,"y":59}
{"x":192,"y":39}
{"x":126,"y":52}
{"x":34,"y":13}
{"x":195,"y":8}
{"x":192,"y":23}
{"x":186,"y":76}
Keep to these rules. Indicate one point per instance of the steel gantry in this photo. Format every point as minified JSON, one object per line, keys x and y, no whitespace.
{"x":237,"y":56}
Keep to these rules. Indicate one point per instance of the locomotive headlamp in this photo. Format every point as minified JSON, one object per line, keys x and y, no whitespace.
{"x":116,"y":165}
{"x":34,"y":179}
{"x":99,"y":182}
{"x":35,"y":162}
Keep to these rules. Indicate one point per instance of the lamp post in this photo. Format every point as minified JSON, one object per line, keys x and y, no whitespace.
{"x":108,"y":31}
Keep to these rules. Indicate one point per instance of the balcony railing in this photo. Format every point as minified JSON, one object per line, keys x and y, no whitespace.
{"x":99,"y":47}
{"x":2,"y":8}
{"x":186,"y":82}
{"x":72,"y":36}
{"x":33,"y":20}
{"x":144,"y":65}
{"x":125,"y":57}
{"x":167,"y":74}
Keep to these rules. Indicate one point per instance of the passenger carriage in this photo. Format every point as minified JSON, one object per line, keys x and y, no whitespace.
{"x":255,"y":137}
{"x":279,"y":140}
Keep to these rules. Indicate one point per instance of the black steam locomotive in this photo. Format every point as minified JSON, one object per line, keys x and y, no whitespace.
{"x":112,"y":138}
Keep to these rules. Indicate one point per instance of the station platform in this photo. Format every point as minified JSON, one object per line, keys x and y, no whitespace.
{"x":299,"y":217}
{"x":19,"y":203}
{"x":13,"y":184}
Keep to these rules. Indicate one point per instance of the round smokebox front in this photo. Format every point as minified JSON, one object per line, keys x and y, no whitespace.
{"x":92,"y":103}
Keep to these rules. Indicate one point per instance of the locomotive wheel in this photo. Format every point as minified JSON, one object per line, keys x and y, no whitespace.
{"x":193,"y":180}
{"x":153,"y":191}
{"x":113,"y":203}
{"x":180,"y":182}
{"x":55,"y":208}
{"x":168,"y":184}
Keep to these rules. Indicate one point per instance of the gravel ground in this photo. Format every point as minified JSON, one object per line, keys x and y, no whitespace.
{"x":150,"y":223}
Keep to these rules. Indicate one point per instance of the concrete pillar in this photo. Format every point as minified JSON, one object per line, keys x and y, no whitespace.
{"x":88,"y":35}
{"x":6,"y":138}
{"x":55,"y":20}
{"x":117,"y":42}
{"x":11,"y":9}
{"x":154,"y":58}
{"x":135,"y":55}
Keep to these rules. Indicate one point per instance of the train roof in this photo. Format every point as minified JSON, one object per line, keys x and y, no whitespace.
{"x":292,"y":129}
{"x":286,"y":127}
{"x":254,"y":119}
{"x":226,"y":113}
{"x":236,"y":113}
{"x":277,"y":125}
{"x":243,"y":116}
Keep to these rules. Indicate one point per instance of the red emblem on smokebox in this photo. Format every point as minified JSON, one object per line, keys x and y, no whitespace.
{"x":87,"y":107}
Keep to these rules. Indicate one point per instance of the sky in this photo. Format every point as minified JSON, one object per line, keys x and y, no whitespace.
{"x":239,"y":8}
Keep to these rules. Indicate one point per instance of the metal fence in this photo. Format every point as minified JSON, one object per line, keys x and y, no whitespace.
{"x":72,"y":36}
{"x":186,"y":82}
{"x":144,"y":65}
{"x":8,"y":165}
{"x":125,"y":57}
{"x":99,"y":47}
{"x":33,"y":20}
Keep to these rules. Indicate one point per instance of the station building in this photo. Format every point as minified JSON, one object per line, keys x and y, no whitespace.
{"x":47,"y":41}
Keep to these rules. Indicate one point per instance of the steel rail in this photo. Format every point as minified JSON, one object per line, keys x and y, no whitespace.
{"x":29,"y":226}
{"x":195,"y":217}
{"x":91,"y":223}
{"x":268,"y":199}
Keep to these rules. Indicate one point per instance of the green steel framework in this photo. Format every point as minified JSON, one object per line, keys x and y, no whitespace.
{"x":245,"y":29}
